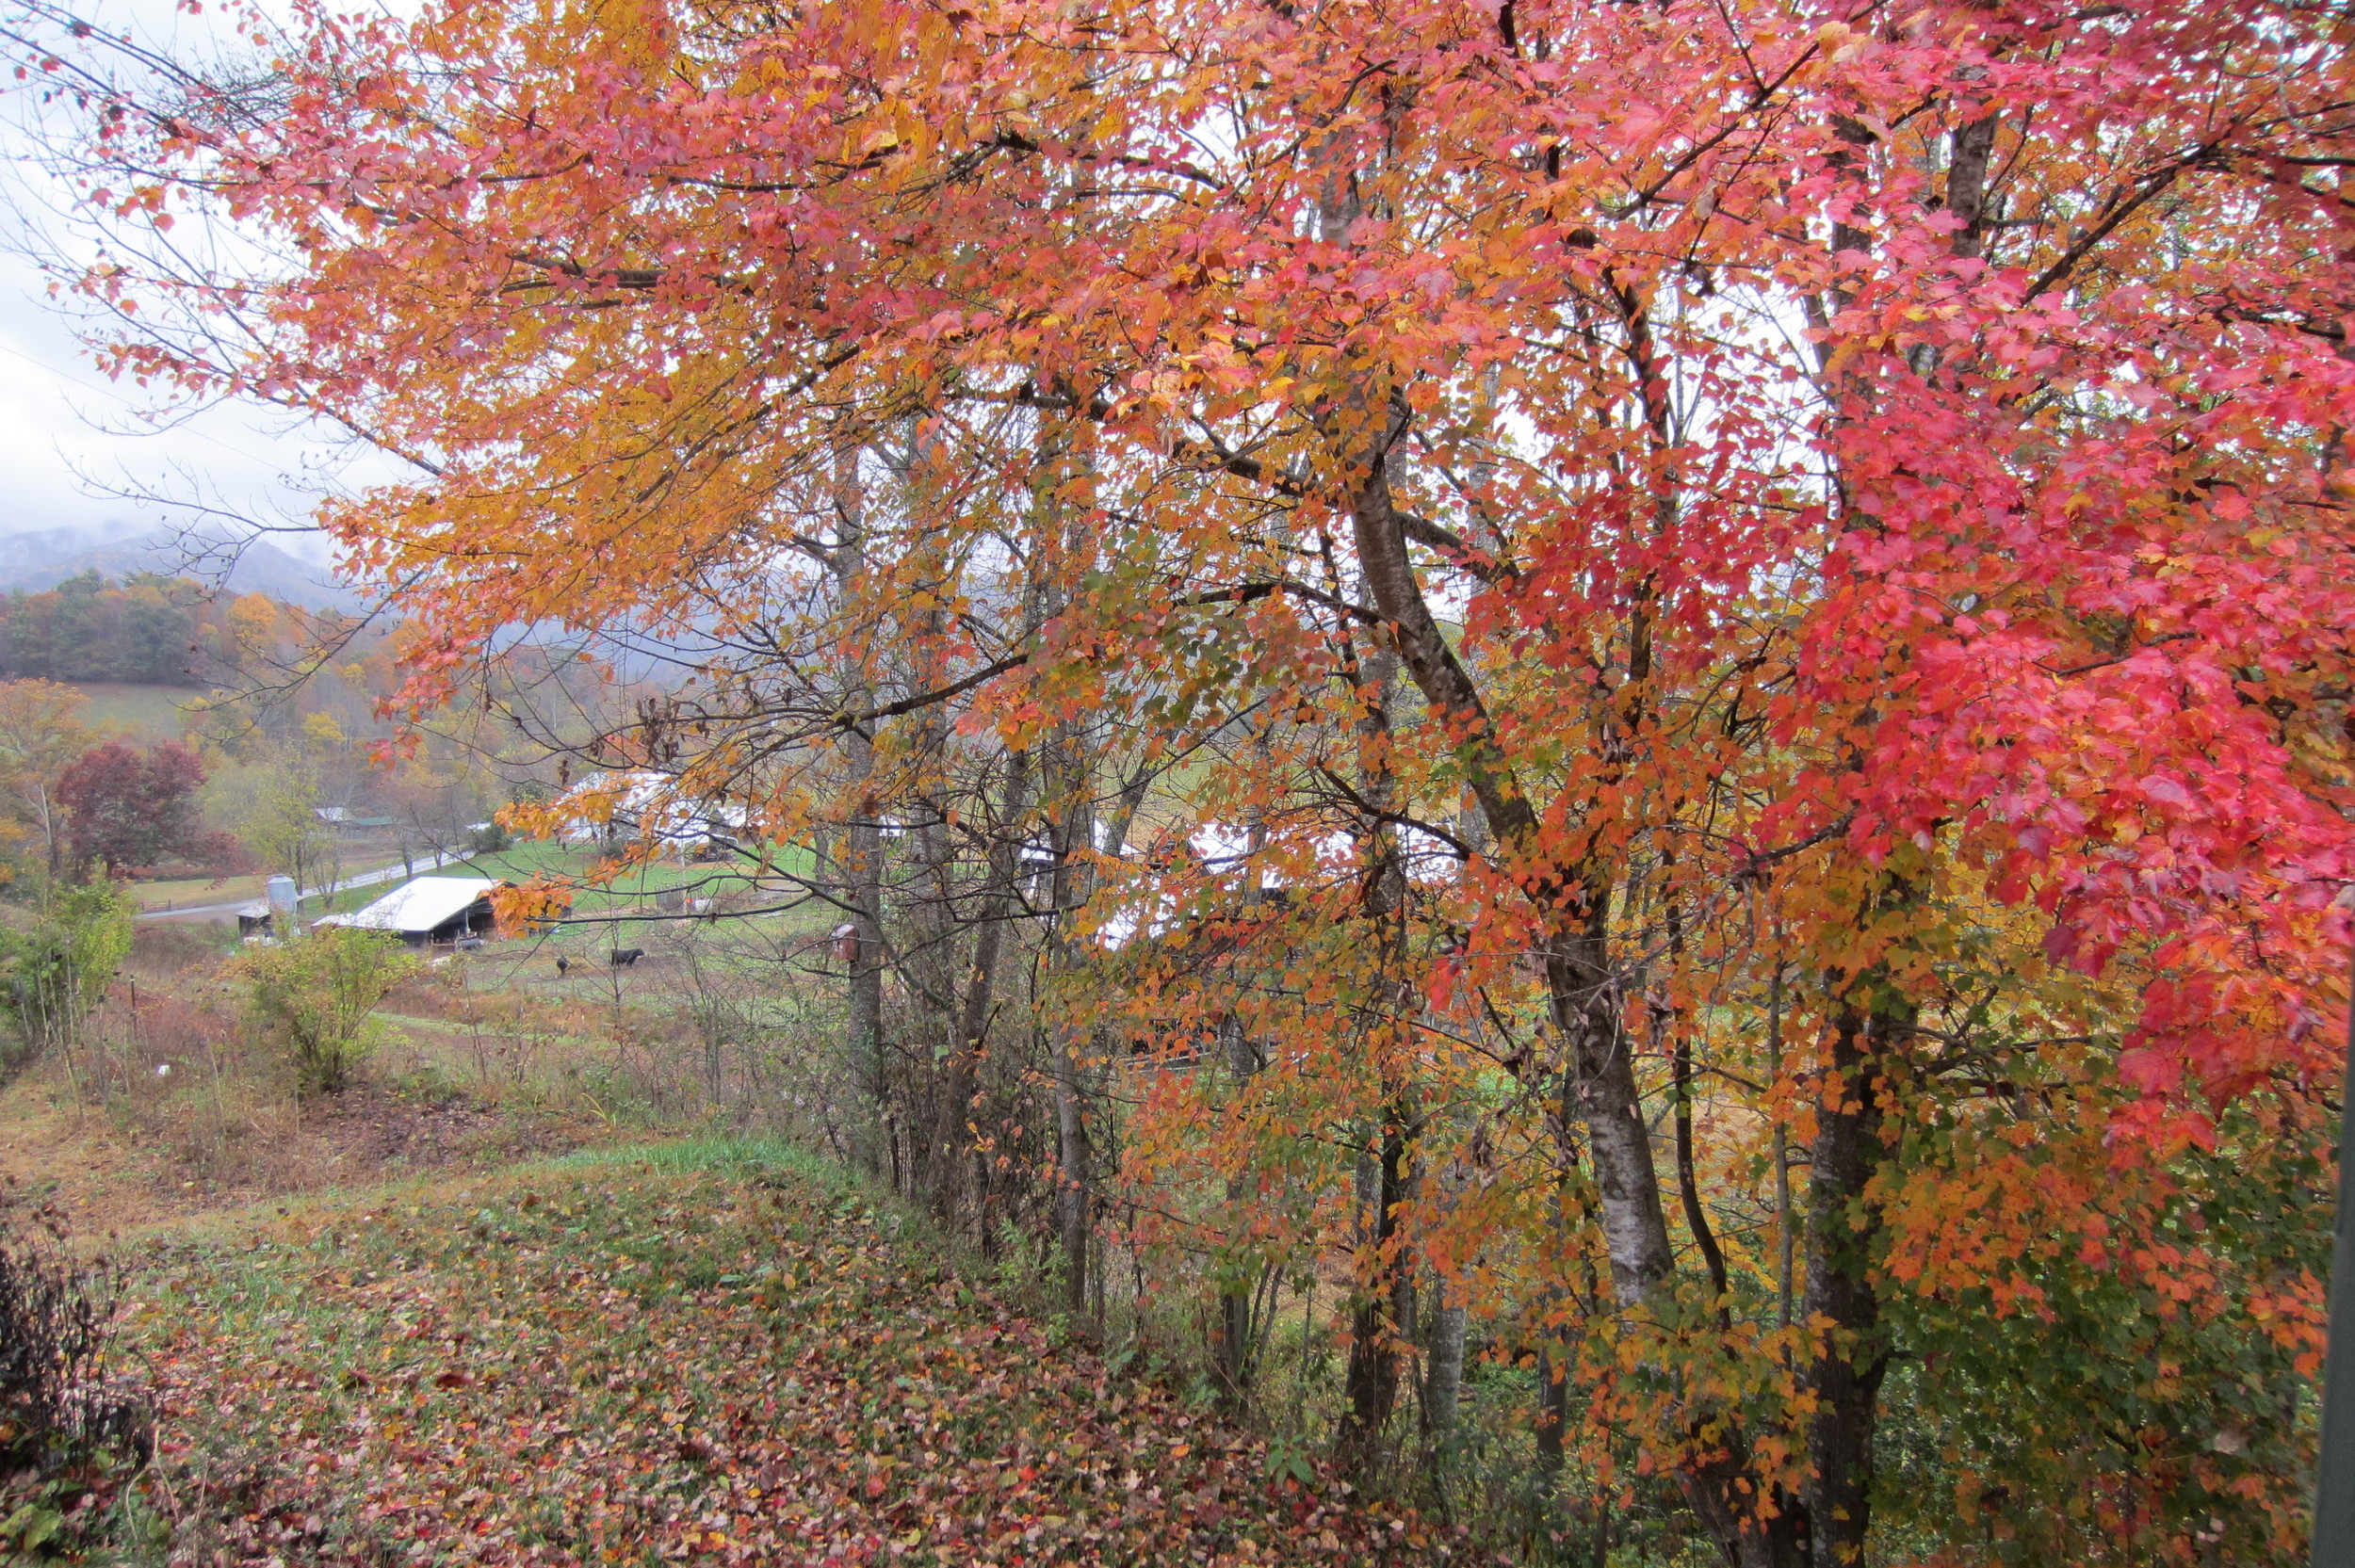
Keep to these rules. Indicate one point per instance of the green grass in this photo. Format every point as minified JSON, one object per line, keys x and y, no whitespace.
{"x":522,"y":863}
{"x":636,"y":889}
{"x":519,"y":863}
{"x":149,"y":713}
{"x":716,"y":1154}
{"x":187,"y":891}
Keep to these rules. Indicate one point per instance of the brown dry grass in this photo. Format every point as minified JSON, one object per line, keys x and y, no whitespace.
{"x":171,"y":1106}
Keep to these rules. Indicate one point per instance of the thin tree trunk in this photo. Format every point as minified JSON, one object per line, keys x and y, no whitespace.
{"x":862,"y":869}
{"x":1786,"y":1233}
{"x":1231,"y":1336}
{"x":1681,"y":1069}
{"x":52,"y":845}
{"x":1066,"y":799}
{"x":1600,"y":1091}
{"x":1443,"y":1383}
{"x":1868,"y":1031}
{"x":864,"y":874}
{"x":931,"y":938}
{"x":1073,"y":832}
{"x":1230,"y":1350}
{"x":953,"y":1133}
{"x":1377,"y":1322}
{"x":1553,"y":1404}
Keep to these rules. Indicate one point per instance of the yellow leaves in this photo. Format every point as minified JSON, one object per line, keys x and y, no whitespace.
{"x":606,"y":454}
{"x":1840,"y":42}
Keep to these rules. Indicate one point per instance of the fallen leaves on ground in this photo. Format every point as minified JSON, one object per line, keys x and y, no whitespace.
{"x":620,"y":1365}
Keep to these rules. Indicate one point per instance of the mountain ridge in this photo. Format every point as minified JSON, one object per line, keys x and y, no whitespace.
{"x":42,"y":558}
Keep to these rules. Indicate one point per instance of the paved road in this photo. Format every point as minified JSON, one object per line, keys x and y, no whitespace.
{"x":364,"y":879}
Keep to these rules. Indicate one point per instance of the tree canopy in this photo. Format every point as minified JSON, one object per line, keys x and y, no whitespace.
{"x":133,"y":808}
{"x":1753,"y":600}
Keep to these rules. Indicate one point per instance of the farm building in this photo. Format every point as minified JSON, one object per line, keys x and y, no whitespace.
{"x":606,"y":808}
{"x":426,"y":910}
{"x":267,"y":917}
{"x":344,"y":817}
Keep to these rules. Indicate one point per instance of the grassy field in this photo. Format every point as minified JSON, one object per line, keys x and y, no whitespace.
{"x":639,"y":890}
{"x":173,"y":1102}
{"x":463,"y":1313}
{"x":550,"y":1285}
{"x":706,"y":879}
{"x":146,"y":713}
{"x":196,"y":892}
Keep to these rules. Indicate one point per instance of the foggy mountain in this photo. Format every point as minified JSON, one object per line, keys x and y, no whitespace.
{"x":45,"y":558}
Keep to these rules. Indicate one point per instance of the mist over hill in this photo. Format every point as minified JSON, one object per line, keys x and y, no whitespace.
{"x":42,"y":558}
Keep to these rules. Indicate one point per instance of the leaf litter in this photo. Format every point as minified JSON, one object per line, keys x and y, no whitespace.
{"x":625,"y":1365}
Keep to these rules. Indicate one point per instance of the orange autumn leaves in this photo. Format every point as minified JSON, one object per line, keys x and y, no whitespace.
{"x":1854,"y":500}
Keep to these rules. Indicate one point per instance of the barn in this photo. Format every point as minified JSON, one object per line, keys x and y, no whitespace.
{"x":425,"y":911}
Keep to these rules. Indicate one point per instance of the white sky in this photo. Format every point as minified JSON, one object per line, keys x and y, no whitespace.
{"x":71,"y":442}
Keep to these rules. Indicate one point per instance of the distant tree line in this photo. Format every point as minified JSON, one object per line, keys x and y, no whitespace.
{"x":152,"y":629}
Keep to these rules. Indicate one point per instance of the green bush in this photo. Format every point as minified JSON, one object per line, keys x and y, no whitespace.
{"x":54,"y":973}
{"x":313,"y":997}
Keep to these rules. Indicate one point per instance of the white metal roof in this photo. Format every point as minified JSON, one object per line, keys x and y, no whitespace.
{"x":645,"y":802}
{"x":419,"y":906}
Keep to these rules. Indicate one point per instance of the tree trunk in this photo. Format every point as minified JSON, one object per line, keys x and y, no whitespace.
{"x":1375,"y":1322}
{"x":862,"y":867}
{"x":1868,"y":1031}
{"x":954,"y":1130}
{"x":1382,"y":1315}
{"x":1230,"y":1335}
{"x":1443,"y":1381}
{"x":1600,"y":1091}
{"x":1553,"y":1405}
{"x":1073,"y":832}
{"x":863,"y":870}
{"x":931,"y":938}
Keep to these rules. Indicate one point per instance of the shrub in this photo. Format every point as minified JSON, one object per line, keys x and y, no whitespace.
{"x":59,"y":970}
{"x":71,"y":1429}
{"x":165,"y":948}
{"x":313,"y":997}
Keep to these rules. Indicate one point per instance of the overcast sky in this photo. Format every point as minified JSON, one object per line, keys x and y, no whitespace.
{"x":72,"y":442}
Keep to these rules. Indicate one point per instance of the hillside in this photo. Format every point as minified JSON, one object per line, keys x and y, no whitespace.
{"x":705,"y":1352}
{"x":147,"y":713}
{"x":45,"y":558}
